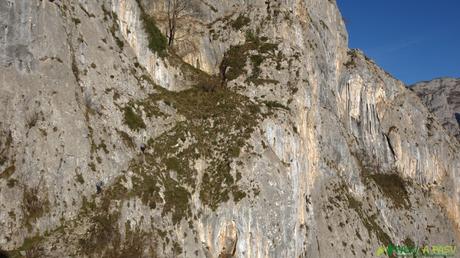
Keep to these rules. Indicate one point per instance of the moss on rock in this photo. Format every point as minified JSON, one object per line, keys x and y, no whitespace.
{"x":235,"y":58}
{"x":133,"y":119}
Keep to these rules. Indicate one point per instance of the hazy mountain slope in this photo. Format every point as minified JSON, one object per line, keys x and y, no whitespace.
{"x":307,"y":150}
{"x":442,"y":97}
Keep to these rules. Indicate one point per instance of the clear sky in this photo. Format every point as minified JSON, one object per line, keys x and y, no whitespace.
{"x":414,"y":40}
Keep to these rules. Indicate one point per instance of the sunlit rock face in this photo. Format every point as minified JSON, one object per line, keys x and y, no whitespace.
{"x":258,"y":133}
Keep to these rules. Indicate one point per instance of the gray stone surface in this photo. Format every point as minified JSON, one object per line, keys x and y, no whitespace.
{"x":310,"y":150}
{"x":442,"y":97}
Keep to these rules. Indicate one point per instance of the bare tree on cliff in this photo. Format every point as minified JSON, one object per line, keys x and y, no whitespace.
{"x":176,"y":10}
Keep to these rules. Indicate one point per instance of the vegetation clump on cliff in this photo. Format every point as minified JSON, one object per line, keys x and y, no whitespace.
{"x":215,"y":127}
{"x":157,"y":42}
{"x":240,"y":22}
{"x":133,"y":119}
{"x":257,"y":49}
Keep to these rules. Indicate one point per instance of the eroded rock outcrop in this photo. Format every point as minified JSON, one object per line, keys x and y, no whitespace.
{"x":442,"y":97}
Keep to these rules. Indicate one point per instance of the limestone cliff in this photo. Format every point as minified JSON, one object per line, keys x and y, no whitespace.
{"x":442,"y":97}
{"x":262,"y":135}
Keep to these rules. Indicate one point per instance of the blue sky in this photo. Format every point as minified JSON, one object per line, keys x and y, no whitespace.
{"x":414,"y":40}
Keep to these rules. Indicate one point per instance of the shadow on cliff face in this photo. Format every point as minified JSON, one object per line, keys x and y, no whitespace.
{"x":3,"y":254}
{"x":393,"y":187}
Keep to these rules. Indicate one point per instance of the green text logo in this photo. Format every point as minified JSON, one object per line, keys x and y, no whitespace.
{"x":426,"y":251}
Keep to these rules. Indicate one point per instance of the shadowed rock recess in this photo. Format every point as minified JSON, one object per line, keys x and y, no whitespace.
{"x":257,"y":133}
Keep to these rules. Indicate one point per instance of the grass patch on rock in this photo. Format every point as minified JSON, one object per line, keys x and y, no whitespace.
{"x":34,"y":205}
{"x":368,"y":220}
{"x":393,"y":187}
{"x":157,"y":42}
{"x":214,"y":126}
{"x":133,"y":119}
{"x":240,"y":22}
{"x":255,"y":48}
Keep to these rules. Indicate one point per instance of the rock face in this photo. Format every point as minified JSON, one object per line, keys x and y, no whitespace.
{"x":442,"y":97}
{"x":262,"y":135}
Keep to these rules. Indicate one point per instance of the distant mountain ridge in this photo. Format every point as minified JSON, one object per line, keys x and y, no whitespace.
{"x":442,"y":97}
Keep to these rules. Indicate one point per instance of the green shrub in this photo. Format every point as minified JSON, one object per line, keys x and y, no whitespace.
{"x":102,"y":233}
{"x":220,"y":122}
{"x":127,"y":139}
{"x":256,"y":61}
{"x":33,"y":205}
{"x":157,"y":41}
{"x":240,"y":22}
{"x":76,"y":21}
{"x":234,"y":61}
{"x":79,"y":178}
{"x":352,"y":56}
{"x":133,"y":120}
{"x":31,"y":246}
{"x":275,"y":104}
